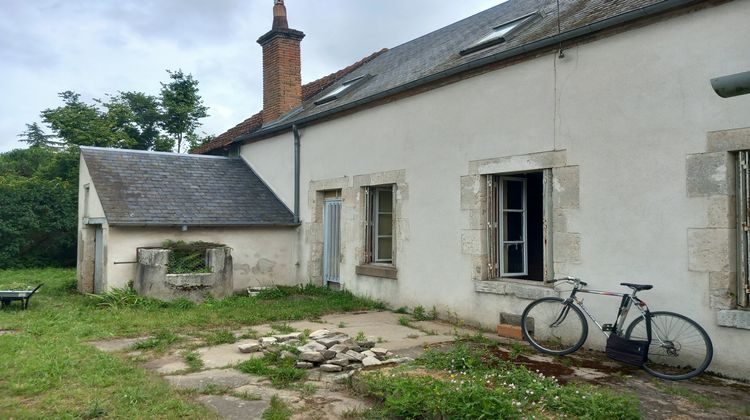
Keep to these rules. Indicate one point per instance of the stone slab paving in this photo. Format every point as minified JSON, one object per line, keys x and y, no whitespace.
{"x":224,"y":355}
{"x":233,"y":408}
{"x":167,"y":365}
{"x":118,"y":344}
{"x":229,"y":378}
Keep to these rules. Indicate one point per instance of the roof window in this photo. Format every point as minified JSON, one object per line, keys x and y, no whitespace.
{"x":341,"y":89}
{"x":500,"y":33}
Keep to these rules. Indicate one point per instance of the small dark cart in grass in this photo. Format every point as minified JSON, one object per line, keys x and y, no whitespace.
{"x":8,"y":296}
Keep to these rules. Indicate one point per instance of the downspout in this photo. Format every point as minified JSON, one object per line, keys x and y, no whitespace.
{"x":296,"y":173}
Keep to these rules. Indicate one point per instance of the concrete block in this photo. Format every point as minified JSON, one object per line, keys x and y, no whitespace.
{"x":728,"y":140}
{"x":472,"y":242}
{"x":708,"y":174}
{"x":559,"y":220}
{"x":472,"y":194}
{"x":509,"y":331}
{"x":722,"y":211}
{"x":477,"y":218}
{"x":710,"y":250}
{"x":734,"y":319}
{"x":722,"y":290}
{"x":566,"y":247}
{"x":519,"y":163}
{"x":566,"y":187}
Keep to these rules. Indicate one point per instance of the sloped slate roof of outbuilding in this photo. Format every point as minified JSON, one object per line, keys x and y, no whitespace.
{"x":169,"y":189}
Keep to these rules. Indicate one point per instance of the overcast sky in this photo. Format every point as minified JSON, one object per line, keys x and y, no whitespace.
{"x":95,"y":47}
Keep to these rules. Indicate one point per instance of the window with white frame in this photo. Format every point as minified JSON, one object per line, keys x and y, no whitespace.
{"x":379,"y":213}
{"x":516,"y":226}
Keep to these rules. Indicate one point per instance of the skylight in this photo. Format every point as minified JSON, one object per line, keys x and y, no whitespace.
{"x":339,"y":91}
{"x":499,"y":33}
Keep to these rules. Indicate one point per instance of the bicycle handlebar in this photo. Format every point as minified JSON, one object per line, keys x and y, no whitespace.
{"x":573,"y":280}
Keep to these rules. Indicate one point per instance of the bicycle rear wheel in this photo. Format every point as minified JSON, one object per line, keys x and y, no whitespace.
{"x":680,"y":348}
{"x":554,"y":327}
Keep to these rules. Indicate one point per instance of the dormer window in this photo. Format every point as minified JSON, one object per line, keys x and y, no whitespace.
{"x":500,"y":33}
{"x":342,"y":89}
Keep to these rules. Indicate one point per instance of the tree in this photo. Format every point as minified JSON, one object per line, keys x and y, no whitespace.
{"x":182,"y":107}
{"x":140,"y":118}
{"x":195,"y":140}
{"x":36,"y":137}
{"x":81,"y":124}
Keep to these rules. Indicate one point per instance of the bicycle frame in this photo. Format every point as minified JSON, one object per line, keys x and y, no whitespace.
{"x":622,"y":313}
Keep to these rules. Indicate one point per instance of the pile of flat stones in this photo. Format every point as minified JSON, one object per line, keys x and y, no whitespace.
{"x":325,"y":350}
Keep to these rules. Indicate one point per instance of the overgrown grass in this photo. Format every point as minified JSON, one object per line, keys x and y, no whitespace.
{"x":279,"y":410}
{"x":193,"y":360}
{"x":469,"y":382}
{"x":223,"y":336}
{"x":48,"y":371}
{"x":281,"y":372}
{"x":159,"y":342}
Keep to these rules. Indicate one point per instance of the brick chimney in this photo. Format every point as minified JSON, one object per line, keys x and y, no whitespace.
{"x":282,"y":79}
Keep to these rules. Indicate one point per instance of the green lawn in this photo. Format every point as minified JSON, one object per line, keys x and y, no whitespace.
{"x":48,"y":370}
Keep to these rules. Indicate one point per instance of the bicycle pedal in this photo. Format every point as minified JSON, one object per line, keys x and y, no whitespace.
{"x":608,"y":327}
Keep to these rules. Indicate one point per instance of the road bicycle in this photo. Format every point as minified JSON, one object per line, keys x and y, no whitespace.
{"x":677,"y":347}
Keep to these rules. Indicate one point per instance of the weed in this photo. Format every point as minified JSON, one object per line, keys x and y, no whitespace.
{"x":472,"y":383}
{"x":218,"y":337}
{"x":281,"y":372}
{"x":516,"y":349}
{"x":692,"y":396}
{"x":247,"y":396}
{"x":380,"y":340}
{"x":94,"y":411}
{"x":283,"y":328}
{"x":360,"y":336}
{"x":214,"y":389}
{"x":433,"y":314}
{"x":250,"y":334}
{"x":159,"y":342}
{"x":342,"y":324}
{"x":272,"y":293}
{"x":402,"y":310}
{"x":278,"y":410}
{"x":193,"y":360}
{"x":419,"y":313}
{"x":405,"y":321}
{"x":306,"y":390}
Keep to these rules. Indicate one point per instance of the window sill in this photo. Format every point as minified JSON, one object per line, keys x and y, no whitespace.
{"x":377,"y":270}
{"x":734,"y":319}
{"x":522,"y":289}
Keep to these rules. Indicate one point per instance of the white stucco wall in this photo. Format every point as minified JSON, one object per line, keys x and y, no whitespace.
{"x":261,"y":256}
{"x":626,"y":109}
{"x":87,"y":208}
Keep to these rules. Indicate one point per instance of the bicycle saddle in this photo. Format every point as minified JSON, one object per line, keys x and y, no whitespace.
{"x":638,"y":286}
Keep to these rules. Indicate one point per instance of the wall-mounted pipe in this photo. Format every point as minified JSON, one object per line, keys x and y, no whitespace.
{"x":732,"y":85}
{"x":295,"y":130}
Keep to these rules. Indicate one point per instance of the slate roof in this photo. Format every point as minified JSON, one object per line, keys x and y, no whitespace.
{"x":439,"y":52}
{"x":255,"y":122}
{"x":169,"y":189}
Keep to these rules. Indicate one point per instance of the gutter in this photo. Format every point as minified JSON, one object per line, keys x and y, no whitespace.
{"x":554,"y":41}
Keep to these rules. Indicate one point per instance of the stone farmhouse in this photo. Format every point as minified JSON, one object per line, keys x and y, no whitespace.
{"x":469,"y":167}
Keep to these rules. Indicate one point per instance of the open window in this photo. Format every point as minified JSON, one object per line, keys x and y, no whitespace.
{"x":500,"y":33}
{"x":379,"y":246}
{"x":517,"y":227}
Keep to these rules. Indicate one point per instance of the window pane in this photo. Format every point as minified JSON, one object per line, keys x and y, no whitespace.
{"x":385,"y":225}
{"x":513,"y":191}
{"x":512,"y":226}
{"x":513,"y":259}
{"x":384,"y":248}
{"x":385,"y":200}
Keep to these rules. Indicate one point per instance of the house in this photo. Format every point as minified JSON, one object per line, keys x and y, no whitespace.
{"x":467,"y":168}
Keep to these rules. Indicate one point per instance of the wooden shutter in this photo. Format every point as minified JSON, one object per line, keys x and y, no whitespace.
{"x":493,"y":213}
{"x":368,"y":223}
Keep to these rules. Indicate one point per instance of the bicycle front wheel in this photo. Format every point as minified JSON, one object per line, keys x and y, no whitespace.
{"x":680,"y":348}
{"x":554,"y":327}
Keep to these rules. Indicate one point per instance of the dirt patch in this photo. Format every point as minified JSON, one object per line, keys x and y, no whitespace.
{"x":546,"y":368}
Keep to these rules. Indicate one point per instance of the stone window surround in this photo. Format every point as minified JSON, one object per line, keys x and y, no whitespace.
{"x":352,"y":217}
{"x":566,"y":246}
{"x":711,"y":248}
